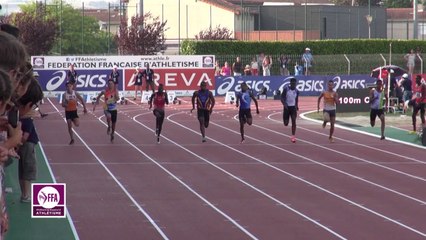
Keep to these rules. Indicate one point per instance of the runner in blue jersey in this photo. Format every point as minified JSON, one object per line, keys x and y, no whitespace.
{"x":205,"y":104}
{"x":243,"y":102}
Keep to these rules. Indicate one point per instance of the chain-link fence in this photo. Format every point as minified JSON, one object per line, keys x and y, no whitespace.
{"x":332,"y":64}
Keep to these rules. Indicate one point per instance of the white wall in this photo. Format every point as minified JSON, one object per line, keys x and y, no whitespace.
{"x":194,"y":16}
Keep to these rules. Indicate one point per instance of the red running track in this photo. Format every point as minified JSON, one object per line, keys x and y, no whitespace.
{"x":267,"y":188}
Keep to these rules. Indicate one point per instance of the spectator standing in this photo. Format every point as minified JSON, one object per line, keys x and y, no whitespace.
{"x":298,"y":69}
{"x":148,"y":74}
{"x":226,"y":70}
{"x":115,"y":75}
{"x":237,"y":67}
{"x":247,"y":70}
{"x":254,"y":67}
{"x":72,"y":75}
{"x":266,"y":65}
{"x":284,"y":63}
{"x":411,"y":61}
{"x":217,"y":68}
{"x":407,"y":94}
{"x":138,"y":76}
{"x":308,"y":61}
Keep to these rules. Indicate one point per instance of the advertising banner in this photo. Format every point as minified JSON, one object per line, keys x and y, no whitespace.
{"x":181,"y":74}
{"x":307,"y":85}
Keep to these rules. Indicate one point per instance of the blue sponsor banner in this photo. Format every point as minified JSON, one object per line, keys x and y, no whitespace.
{"x":87,"y":80}
{"x":307,"y":85}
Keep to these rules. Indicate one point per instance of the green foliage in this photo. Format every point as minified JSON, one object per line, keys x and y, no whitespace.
{"x":399,"y":3}
{"x":218,"y":33}
{"x":323,"y":47}
{"x":145,"y":36}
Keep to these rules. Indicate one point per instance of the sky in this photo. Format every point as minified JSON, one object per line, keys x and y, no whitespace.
{"x":9,"y":6}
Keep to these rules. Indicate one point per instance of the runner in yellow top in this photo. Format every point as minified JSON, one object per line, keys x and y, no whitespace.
{"x":377,"y":101}
{"x":329,"y":110}
{"x":111,"y":97}
{"x":69,"y":102}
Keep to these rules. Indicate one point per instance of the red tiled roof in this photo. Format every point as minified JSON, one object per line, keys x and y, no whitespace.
{"x":403,"y":13}
{"x":103,"y":15}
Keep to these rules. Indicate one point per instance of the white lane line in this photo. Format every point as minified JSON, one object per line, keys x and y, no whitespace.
{"x":303,"y":116}
{"x":241,"y":180}
{"x":355,"y":157}
{"x":182,"y":182}
{"x":326,"y":165}
{"x":118,"y":182}
{"x":305,"y":181}
{"x":74,"y":231}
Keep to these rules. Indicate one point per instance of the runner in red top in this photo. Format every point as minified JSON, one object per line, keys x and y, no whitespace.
{"x":419,"y":102}
{"x":160,"y":99}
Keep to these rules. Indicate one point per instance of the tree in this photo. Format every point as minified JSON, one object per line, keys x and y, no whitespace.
{"x":219,"y":33}
{"x":399,"y":3}
{"x":145,"y":35}
{"x":36,"y":32}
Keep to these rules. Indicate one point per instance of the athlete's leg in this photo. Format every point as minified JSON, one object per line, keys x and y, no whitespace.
{"x":206,"y":119}
{"x":332,"y":121}
{"x":293,"y":122}
{"x":69,"y":124}
{"x":113,"y":120}
{"x":108,"y":118}
{"x":242,"y":130}
{"x":286,"y":117}
{"x":372,"y":117}
{"x":382,"y":126}
{"x":414,"y":116}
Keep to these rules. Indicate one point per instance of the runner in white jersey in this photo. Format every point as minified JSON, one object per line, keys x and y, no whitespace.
{"x":290,"y":101}
{"x":377,"y":101}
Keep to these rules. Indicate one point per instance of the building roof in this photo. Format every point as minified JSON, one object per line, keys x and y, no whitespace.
{"x":103,"y":15}
{"x":403,"y":14}
{"x":235,"y":5}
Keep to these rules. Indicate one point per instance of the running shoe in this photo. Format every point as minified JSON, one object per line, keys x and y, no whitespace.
{"x":243,"y":140}
{"x":331,"y":139}
{"x":411,"y":132}
{"x":112,"y":138}
{"x":72,"y":142}
{"x":293,"y":139}
{"x":25,"y":199}
{"x":43,"y":115}
{"x":382,"y":138}
{"x":203,"y":139}
{"x":108,"y":130}
{"x":158,"y":139}
{"x":156,"y":132}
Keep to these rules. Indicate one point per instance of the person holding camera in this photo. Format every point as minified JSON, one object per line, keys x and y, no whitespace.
{"x":26,"y":152}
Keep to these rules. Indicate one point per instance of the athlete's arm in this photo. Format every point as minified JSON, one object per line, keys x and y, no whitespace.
{"x":150,"y":100}
{"x":336,"y":98}
{"x":371,"y":96}
{"x":167,"y":98}
{"x":237,"y":102}
{"x":82,"y":101}
{"x":64,"y":101}
{"x":193,"y":100}
{"x":255,"y":102}
{"x":212,"y":100}
{"x":319,"y":101}
{"x":97,"y":99}
{"x":284,"y":97}
{"x":297,"y":100}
